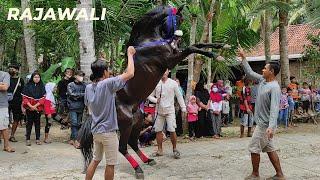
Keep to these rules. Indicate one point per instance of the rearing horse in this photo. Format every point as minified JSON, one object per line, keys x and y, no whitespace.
{"x":151,"y":36}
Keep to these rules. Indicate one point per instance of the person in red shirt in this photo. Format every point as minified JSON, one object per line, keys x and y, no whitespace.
{"x":246,"y":110}
{"x":33,"y":101}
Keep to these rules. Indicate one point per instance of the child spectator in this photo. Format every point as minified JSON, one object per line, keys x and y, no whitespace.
{"x":295,"y":93}
{"x":215,"y":108}
{"x":147,"y":135}
{"x":305,"y":97}
{"x":228,"y":90}
{"x":192,"y":109}
{"x":284,"y":108}
{"x":221,"y":88}
{"x":225,"y":110}
{"x":313,"y":98}
{"x":246,"y":113}
{"x":50,"y":110}
{"x":291,"y":107}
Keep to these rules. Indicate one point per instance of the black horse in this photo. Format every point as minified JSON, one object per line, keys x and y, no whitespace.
{"x":151,"y":36}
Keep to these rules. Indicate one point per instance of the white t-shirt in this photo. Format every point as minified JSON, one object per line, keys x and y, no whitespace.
{"x":225,"y":107}
{"x":166,"y":91}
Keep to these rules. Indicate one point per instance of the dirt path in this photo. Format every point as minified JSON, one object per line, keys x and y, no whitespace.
{"x":204,"y":159}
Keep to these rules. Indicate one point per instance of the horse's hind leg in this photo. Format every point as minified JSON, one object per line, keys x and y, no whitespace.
{"x":125,"y":127}
{"x":134,"y":136}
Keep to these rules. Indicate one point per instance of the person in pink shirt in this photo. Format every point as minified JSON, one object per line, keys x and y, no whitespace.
{"x":192,"y":117}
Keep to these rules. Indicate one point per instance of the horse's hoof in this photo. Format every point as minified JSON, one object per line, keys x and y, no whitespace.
{"x":226,"y":46}
{"x":139,"y":173}
{"x":151,"y":162}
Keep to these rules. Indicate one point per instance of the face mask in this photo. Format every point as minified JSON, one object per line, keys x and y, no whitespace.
{"x":80,"y":79}
{"x":12,"y":73}
{"x":68,"y":76}
{"x":215,"y":89}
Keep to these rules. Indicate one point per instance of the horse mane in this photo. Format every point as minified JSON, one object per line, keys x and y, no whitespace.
{"x":144,"y":22}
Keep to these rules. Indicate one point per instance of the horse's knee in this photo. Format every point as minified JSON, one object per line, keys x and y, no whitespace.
{"x":123,"y":149}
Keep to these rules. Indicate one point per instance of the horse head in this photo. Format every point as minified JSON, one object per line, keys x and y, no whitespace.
{"x":159,"y":23}
{"x":171,"y":22}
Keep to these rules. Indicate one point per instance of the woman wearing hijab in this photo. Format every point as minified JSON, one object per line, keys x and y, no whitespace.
{"x":33,"y":100}
{"x":204,"y":125}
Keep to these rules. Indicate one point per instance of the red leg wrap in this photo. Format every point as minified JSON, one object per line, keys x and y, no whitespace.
{"x":143,"y":157}
{"x":132,"y":161}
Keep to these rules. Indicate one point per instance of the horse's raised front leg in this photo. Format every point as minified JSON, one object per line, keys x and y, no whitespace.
{"x":175,"y":58}
{"x":133,"y":140}
{"x":125,"y":127}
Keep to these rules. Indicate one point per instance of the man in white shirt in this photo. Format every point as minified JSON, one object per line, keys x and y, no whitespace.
{"x":163,"y":95}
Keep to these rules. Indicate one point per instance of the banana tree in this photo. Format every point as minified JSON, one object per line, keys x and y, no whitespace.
{"x":52,"y":74}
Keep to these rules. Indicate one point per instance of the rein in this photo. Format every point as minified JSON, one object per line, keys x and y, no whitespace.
{"x":161,"y":42}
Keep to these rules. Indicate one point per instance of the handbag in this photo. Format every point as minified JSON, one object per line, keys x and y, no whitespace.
{"x":11,"y":95}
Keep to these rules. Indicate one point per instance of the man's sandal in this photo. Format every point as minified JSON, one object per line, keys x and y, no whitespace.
{"x":12,"y":139}
{"x":276,"y":178}
{"x":157,"y":154}
{"x":9,"y":150}
{"x":47,"y":141}
{"x":176,"y":154}
{"x":252,"y":177}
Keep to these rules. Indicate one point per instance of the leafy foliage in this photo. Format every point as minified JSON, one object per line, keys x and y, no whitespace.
{"x":313,"y":11}
{"x":52,"y":74}
{"x":10,"y":33}
{"x":312,"y":53}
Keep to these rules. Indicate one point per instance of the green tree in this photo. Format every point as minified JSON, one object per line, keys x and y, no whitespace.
{"x":312,"y":52}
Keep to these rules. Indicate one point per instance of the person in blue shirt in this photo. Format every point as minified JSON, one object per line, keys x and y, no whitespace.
{"x":100,"y":99}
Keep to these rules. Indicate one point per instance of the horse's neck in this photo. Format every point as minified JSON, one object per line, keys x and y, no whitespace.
{"x":148,"y":35}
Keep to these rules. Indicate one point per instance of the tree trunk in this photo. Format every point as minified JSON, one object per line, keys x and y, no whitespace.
{"x":29,"y":39}
{"x":285,"y":71}
{"x":204,"y":39}
{"x":209,"y":21}
{"x":86,"y":39}
{"x":193,"y":33}
{"x":267,"y":34}
{"x":24,"y":63}
{"x":198,"y":63}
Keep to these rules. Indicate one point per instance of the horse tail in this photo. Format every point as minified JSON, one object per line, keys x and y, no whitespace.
{"x":85,"y":139}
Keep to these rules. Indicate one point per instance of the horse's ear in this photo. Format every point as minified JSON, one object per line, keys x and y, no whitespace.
{"x":180,"y":9}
